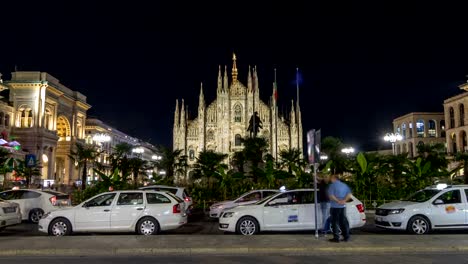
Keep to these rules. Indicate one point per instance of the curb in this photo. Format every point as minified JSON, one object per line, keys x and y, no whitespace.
{"x":226,"y":251}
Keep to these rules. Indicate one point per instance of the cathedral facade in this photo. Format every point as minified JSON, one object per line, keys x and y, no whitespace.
{"x":220,"y":125}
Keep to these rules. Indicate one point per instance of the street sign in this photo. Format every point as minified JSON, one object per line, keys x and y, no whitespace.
{"x":30,"y":160}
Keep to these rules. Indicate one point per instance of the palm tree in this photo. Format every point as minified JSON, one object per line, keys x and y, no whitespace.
{"x":291,"y":159}
{"x":137,"y":166}
{"x":332,"y":147}
{"x":119,"y":158}
{"x":169,"y":159}
{"x":24,"y":171}
{"x":208,"y":165}
{"x":84,"y":154}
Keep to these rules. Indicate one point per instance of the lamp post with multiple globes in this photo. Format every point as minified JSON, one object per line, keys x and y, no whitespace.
{"x":393,"y":138}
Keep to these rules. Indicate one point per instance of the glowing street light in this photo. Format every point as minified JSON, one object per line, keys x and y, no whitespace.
{"x":323,"y":157}
{"x":348,"y":151}
{"x":138,"y":150}
{"x":156,"y":157}
{"x":101,"y":138}
{"x":392,"y":138}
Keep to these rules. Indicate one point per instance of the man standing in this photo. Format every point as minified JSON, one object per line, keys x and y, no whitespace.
{"x":339,"y":193}
{"x":324,"y":204}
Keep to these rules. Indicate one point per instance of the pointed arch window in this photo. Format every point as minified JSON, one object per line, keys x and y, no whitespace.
{"x":210,"y":135}
{"x":238,"y":113}
{"x":452,"y":117}
{"x":462,"y":115}
{"x":238,"y":140}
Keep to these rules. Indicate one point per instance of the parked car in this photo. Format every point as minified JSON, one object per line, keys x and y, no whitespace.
{"x":34,"y":203}
{"x":436,"y":207}
{"x":10,"y":214}
{"x":245,"y":199}
{"x":180,"y":192}
{"x":143,"y":212}
{"x":285,"y":211}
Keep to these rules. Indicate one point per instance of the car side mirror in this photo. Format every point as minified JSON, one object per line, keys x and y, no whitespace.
{"x":438,"y":201}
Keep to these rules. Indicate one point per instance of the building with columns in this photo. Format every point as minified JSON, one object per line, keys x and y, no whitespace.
{"x":419,"y":128}
{"x":457,"y":122}
{"x":47,"y":118}
{"x":220,"y":125}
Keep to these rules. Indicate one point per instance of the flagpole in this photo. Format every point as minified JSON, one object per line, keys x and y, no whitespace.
{"x":297,"y":85}
{"x":253,"y":107}
{"x":276,"y":119}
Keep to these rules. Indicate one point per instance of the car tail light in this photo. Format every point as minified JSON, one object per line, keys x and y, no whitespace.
{"x":53,"y":200}
{"x":360,"y":208}
{"x":188,"y":199}
{"x":176,"y":209}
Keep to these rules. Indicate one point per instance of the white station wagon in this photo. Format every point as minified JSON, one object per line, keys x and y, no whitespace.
{"x":144,"y":212}
{"x":285,"y":211}
{"x":436,"y":207}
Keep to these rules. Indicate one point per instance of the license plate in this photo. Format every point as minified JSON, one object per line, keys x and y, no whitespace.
{"x":8,"y":210}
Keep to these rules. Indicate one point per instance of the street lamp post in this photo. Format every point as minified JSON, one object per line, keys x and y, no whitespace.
{"x":393,"y":138}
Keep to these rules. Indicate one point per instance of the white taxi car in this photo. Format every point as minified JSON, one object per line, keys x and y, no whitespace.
{"x":10,"y":214}
{"x":144,"y":212}
{"x":436,"y":207}
{"x":285,"y":211}
{"x":245,"y":199}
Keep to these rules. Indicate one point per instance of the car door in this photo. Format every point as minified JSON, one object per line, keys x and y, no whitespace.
{"x":129,"y":207}
{"x":282,"y":212}
{"x":94,"y":215}
{"x":160,"y":206}
{"x":448,"y":210}
{"x":307,"y":210}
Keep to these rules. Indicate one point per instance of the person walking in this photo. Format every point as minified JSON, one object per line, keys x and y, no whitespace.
{"x":324,"y":204}
{"x":338,"y":193}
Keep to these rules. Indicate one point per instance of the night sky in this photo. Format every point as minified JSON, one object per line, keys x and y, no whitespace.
{"x":362,"y":64}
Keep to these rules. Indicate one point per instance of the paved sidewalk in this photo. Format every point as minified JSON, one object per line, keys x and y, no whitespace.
{"x":228,"y":244}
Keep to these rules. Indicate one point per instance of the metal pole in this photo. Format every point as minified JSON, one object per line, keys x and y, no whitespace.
{"x":315,"y":200}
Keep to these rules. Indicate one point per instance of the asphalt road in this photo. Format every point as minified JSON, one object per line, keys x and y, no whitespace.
{"x":202,"y":225}
{"x":356,"y":258}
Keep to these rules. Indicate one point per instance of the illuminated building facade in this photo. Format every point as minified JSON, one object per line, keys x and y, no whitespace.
{"x":221,"y":125}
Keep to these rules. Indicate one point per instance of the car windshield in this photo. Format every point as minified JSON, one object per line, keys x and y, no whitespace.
{"x":422,"y":195}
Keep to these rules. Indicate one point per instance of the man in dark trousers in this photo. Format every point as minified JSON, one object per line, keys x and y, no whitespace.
{"x":339,"y":193}
{"x":324,"y":204}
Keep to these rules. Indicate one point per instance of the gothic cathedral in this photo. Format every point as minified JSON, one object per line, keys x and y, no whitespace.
{"x":220,"y":125}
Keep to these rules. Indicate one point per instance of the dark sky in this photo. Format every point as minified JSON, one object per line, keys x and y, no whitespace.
{"x":362,"y":64}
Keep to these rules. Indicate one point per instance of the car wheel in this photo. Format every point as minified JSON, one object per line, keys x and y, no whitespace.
{"x":419,"y":225}
{"x":35,"y":215}
{"x":147,"y":226}
{"x":60,"y":227}
{"x":247,"y":226}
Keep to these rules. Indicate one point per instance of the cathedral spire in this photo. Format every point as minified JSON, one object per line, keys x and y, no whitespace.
{"x":249,"y":81}
{"x":226,"y":80}
{"x":201,"y":98}
{"x":176,"y":115}
{"x":234,"y":68}
{"x":182,"y":114}
{"x":220,"y":80}
{"x":256,"y":80}
{"x":293,"y":113}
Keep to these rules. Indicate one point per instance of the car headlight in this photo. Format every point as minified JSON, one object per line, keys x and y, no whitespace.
{"x":228,"y":214}
{"x":46,"y":215}
{"x":396,"y":211}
